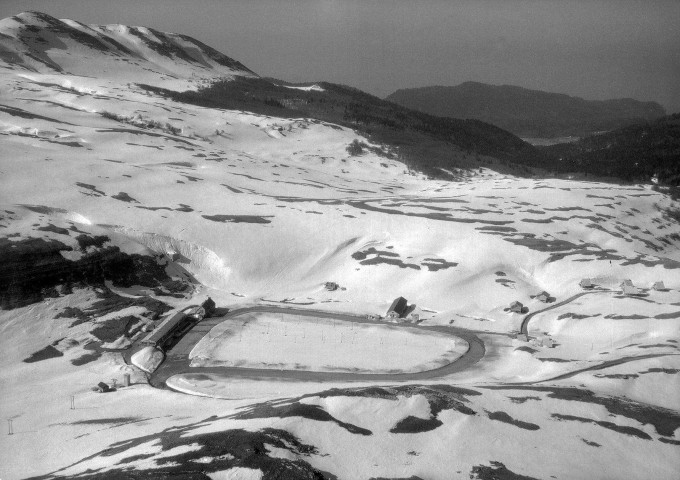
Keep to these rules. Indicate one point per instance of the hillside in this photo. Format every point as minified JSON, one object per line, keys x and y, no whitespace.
{"x":527,"y":113}
{"x":432,"y":145}
{"x":633,"y":153}
{"x":129,"y":196}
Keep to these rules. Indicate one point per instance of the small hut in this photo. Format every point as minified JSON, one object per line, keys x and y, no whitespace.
{"x":398,"y":308}
{"x":629,"y":289}
{"x":586,"y":283}
{"x":543,"y":297}
{"x":331,"y":286}
{"x":659,"y":286}
{"x":628,"y":282}
{"x":516,"y":307}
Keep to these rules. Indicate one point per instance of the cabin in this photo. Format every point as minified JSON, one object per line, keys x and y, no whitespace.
{"x":516,"y":307}
{"x":629,"y":289}
{"x":586,"y":283}
{"x":659,"y":286}
{"x":398,"y":308}
{"x":209,"y":307}
{"x":331,"y":286}
{"x":628,"y":282}
{"x":543,"y":297}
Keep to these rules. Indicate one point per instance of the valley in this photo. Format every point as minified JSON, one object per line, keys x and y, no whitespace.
{"x":121,"y":205}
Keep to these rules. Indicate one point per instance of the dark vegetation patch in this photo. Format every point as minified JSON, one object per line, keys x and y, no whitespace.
{"x":526,"y":349}
{"x":235,"y":190}
{"x":435,"y":264}
{"x":97,"y":241}
{"x":92,"y":188}
{"x":238,"y":218}
{"x":574,"y":316}
{"x":670,"y":371}
{"x":505,"y":418}
{"x":296,"y":409}
{"x":665,"y":421}
{"x":44,"y":354}
{"x":86,"y":358}
{"x":635,"y":432}
{"x":30,"y":269}
{"x":372,"y":256}
{"x":523,"y":399}
{"x":669,"y":315}
{"x":105,"y":421}
{"x":110,"y":330}
{"x":633,"y":153}
{"x":227,"y":449}
{"x":412,"y":424}
{"x":440,"y":216}
{"x":496,"y":471}
{"x":617,"y":376}
{"x":54,"y":229}
{"x":555,"y":360}
{"x":669,"y":441}
{"x":124,"y":197}
{"x":18,"y":112}
{"x":592,"y":444}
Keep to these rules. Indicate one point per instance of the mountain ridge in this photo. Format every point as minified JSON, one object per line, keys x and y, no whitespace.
{"x":38,"y":42}
{"x":526,"y":112}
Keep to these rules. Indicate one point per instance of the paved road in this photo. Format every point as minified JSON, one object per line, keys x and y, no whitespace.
{"x":525,"y":323}
{"x":177,"y":359}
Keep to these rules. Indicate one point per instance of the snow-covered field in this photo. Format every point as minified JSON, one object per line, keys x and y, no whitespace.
{"x":255,"y":210}
{"x":295,"y":342}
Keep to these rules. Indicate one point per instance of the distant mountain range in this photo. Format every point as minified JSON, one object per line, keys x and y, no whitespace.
{"x":527,"y":113}
{"x":186,"y":70}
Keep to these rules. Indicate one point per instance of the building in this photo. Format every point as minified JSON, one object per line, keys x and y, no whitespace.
{"x":546,"y":341}
{"x":628,"y":282}
{"x":331,"y":286}
{"x":398,"y":308}
{"x":659,"y":286}
{"x":414,"y":318}
{"x":172,"y":327}
{"x":586,"y":283}
{"x":543,"y":297}
{"x":627,"y":289}
{"x":516,"y":307}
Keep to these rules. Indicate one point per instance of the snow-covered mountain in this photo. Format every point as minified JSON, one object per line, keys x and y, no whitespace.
{"x":38,"y":42}
{"x":118,"y":205}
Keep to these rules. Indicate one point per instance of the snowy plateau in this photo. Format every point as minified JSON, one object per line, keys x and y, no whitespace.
{"x":121,"y":207}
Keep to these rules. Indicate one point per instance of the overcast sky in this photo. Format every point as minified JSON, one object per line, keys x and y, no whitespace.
{"x":595,"y":49}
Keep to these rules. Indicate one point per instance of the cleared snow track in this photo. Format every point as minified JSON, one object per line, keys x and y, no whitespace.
{"x":178,"y":361}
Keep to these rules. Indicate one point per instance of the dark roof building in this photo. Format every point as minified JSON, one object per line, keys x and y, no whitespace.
{"x":398,"y":307}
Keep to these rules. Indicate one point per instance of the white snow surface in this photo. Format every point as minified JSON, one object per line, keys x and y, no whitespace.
{"x":264,"y":210}
{"x":295,"y":342}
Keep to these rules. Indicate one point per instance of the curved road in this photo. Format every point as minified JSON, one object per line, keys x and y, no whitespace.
{"x":524,"y":328}
{"x":177,"y":359}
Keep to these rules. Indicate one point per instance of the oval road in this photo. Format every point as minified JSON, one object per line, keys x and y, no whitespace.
{"x":177,"y":359}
